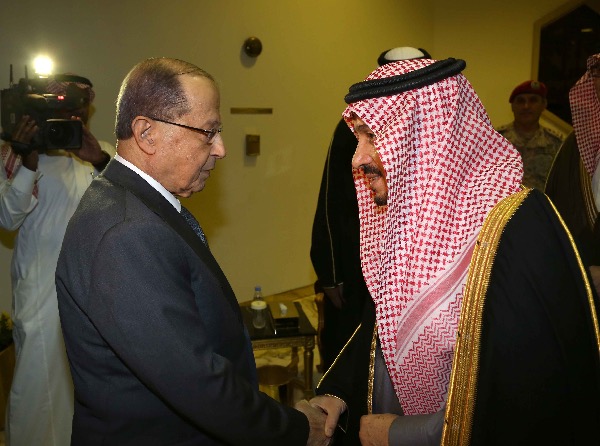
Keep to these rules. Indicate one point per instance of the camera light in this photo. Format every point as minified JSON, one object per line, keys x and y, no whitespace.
{"x":60,"y":98}
{"x":43,"y":65}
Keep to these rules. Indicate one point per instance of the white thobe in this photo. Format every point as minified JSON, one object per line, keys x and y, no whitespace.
{"x":40,"y":407}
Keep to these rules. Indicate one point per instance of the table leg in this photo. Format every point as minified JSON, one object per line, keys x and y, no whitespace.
{"x":308,"y":370}
{"x":293,"y":365}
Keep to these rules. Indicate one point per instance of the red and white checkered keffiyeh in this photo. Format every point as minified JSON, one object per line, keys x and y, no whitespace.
{"x":446,"y":167}
{"x":60,"y":88}
{"x":585,"y":108}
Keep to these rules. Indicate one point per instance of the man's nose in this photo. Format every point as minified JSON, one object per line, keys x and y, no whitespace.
{"x":362,"y":155}
{"x":218,"y":147}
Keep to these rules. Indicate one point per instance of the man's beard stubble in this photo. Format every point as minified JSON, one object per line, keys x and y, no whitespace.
{"x":381,"y":198}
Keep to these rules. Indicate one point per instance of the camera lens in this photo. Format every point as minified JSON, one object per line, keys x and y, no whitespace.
{"x":59,"y":134}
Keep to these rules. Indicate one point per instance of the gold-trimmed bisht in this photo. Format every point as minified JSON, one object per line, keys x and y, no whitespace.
{"x":465,"y":366}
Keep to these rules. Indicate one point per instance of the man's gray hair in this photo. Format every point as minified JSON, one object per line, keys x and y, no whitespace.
{"x":152,"y":88}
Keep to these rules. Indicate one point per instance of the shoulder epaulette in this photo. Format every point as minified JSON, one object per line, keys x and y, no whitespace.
{"x":554,"y":134}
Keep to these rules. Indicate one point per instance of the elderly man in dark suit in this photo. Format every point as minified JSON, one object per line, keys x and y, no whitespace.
{"x":155,"y":339}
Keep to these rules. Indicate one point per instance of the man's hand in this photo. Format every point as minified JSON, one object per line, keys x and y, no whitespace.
{"x":595,"y":273}
{"x":336,"y":295}
{"x":20,"y":140}
{"x":25,"y":130}
{"x":316,"y":421}
{"x":374,"y":429}
{"x":331,"y":406}
{"x":90,"y":148}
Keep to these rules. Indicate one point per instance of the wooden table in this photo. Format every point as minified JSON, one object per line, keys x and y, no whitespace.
{"x":303,"y":336}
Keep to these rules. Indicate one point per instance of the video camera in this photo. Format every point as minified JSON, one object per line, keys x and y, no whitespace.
{"x":30,"y":97}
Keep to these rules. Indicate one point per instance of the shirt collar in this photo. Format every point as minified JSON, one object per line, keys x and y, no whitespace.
{"x":152,"y":182}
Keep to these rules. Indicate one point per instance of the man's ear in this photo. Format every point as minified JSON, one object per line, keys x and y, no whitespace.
{"x":143,"y":130}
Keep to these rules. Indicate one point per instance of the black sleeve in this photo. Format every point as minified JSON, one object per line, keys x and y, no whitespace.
{"x":539,"y":380}
{"x":348,"y":377}
{"x":564,"y":188}
{"x":335,"y":228}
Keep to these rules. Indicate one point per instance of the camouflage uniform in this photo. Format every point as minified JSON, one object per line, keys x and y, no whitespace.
{"x":538,"y":153}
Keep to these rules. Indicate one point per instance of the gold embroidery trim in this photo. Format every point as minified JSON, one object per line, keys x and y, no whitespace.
{"x":339,"y":354}
{"x":465,"y":365}
{"x":371,"y":371}
{"x":588,"y":195}
{"x":588,"y":286}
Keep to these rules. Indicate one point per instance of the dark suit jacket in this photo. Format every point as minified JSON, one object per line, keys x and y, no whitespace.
{"x":158,"y":350}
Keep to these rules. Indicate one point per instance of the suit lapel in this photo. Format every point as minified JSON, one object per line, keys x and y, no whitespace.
{"x":128,"y":179}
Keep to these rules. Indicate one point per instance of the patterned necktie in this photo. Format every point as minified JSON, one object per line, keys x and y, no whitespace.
{"x":191,"y":220}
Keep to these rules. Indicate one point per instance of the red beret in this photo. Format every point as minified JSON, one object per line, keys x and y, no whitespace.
{"x":529,"y":87}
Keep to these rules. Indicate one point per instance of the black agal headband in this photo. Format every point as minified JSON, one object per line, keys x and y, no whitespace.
{"x":389,"y":86}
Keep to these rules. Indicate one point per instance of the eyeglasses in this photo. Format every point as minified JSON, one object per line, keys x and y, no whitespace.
{"x":210,"y":134}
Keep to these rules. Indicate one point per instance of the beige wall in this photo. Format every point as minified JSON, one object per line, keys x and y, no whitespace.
{"x":258,"y":212}
{"x":496,"y":39}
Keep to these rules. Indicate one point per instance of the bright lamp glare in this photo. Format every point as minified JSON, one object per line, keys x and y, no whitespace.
{"x":43,"y":65}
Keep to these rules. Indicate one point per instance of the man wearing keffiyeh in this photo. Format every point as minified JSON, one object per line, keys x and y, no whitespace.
{"x":574,"y":181}
{"x":39,"y":192}
{"x":483,"y":327}
{"x":334,"y":250}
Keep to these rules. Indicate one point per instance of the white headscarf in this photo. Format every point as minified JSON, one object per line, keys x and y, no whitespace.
{"x":60,"y":87}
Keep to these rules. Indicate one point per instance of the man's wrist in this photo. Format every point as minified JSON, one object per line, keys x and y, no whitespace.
{"x":30,"y":161}
{"x":344,"y":405}
{"x":99,"y":166}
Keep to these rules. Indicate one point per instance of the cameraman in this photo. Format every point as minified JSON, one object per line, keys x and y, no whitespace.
{"x":19,"y":192}
{"x":39,"y":192}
